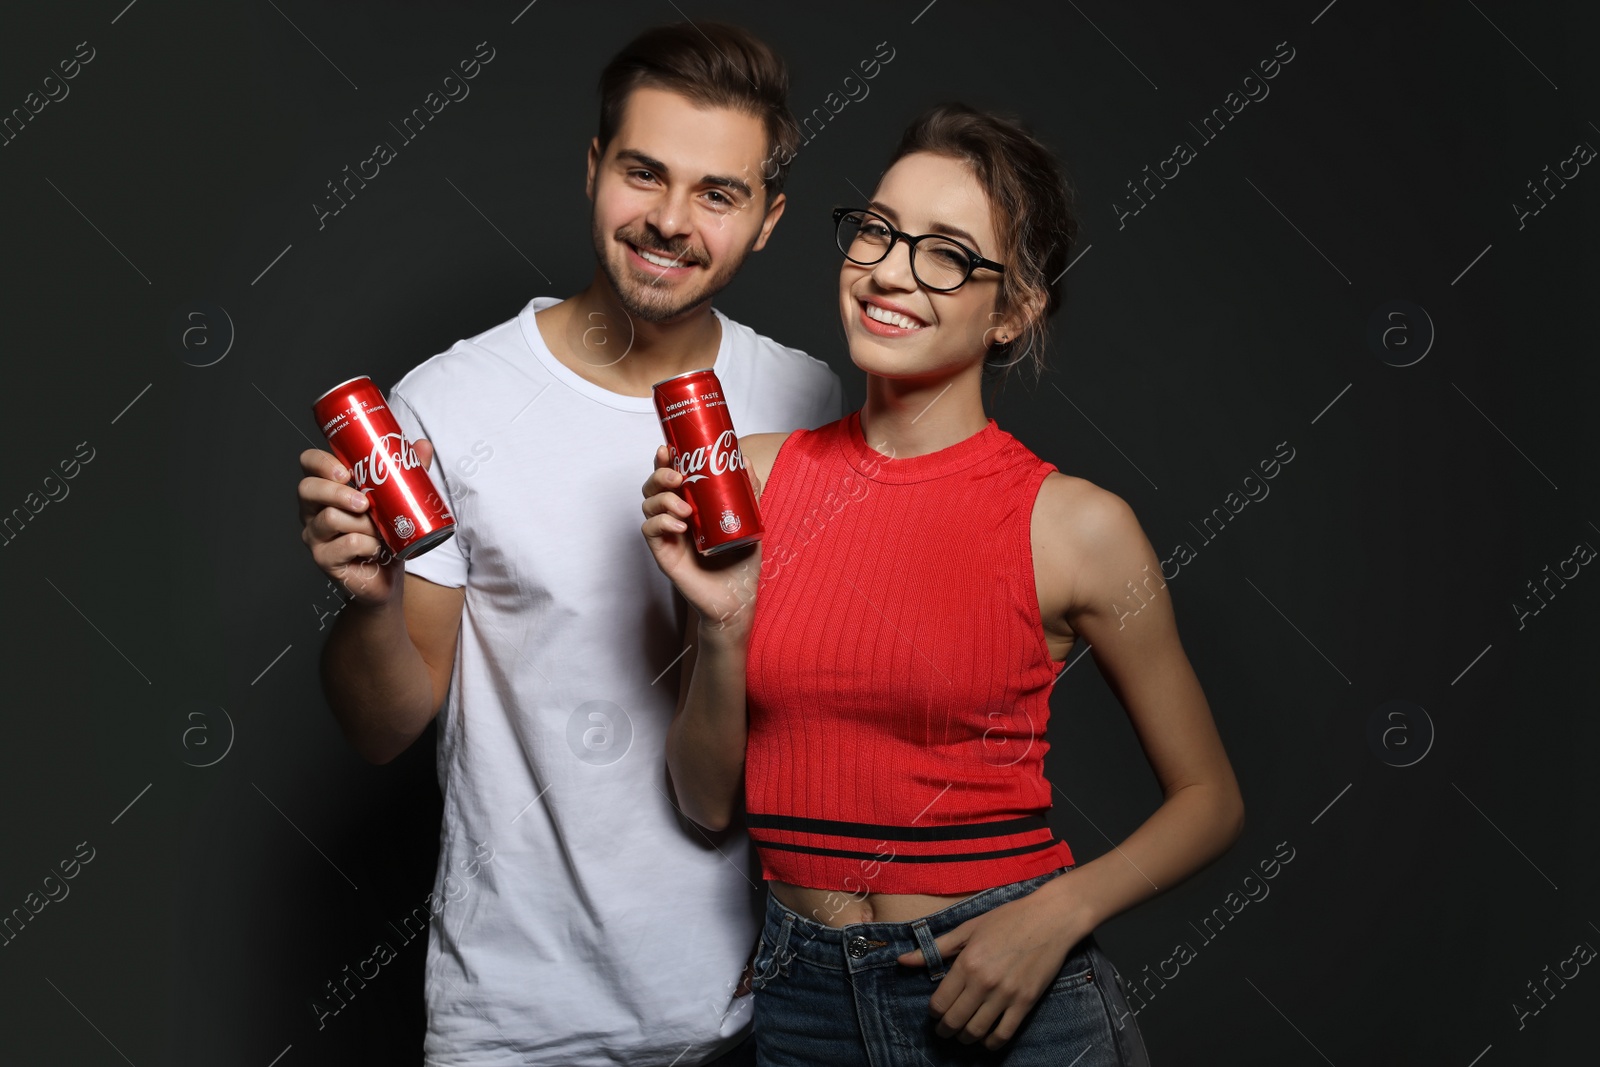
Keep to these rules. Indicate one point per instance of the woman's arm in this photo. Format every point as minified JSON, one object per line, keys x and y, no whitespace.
{"x":1091,"y":557}
{"x":1088,"y":550}
{"x":706,"y":738}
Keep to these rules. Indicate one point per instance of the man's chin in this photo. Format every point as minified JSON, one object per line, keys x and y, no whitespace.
{"x":658,"y":311}
{"x":646,"y":298}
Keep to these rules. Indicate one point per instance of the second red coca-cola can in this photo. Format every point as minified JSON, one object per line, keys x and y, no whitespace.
{"x":410,"y":515}
{"x":699,"y":432}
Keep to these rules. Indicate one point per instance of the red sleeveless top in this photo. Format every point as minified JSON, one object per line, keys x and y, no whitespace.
{"x":898,"y":680}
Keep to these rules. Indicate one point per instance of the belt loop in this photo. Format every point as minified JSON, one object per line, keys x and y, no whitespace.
{"x":777,"y":964}
{"x":780,"y":953}
{"x":930,"y":951}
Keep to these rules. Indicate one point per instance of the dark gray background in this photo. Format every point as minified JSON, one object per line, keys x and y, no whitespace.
{"x":169,"y":591}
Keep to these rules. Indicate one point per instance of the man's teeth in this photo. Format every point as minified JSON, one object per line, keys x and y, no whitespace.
{"x":660,"y":261}
{"x":892,"y":318}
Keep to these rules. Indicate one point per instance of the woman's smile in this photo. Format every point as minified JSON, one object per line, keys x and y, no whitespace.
{"x":884,"y":319}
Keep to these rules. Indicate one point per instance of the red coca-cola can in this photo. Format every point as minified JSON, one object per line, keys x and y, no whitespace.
{"x":406,"y":508}
{"x":699,"y":432}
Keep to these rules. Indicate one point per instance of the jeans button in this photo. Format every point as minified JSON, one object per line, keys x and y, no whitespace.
{"x":857,"y":947}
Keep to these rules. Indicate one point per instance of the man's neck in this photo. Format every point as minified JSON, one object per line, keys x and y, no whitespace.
{"x":594,"y":337}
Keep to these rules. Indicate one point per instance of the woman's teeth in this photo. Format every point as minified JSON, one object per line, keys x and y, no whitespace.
{"x":892,"y":318}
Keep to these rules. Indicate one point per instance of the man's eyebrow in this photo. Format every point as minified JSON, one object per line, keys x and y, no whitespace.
{"x":633,"y":155}
{"x":639,"y":157}
{"x":727,"y":183}
{"x":938,"y":227}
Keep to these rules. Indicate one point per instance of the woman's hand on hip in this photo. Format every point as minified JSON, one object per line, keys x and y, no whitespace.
{"x":999,"y":964}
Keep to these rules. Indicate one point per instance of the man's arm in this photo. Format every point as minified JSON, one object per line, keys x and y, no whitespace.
{"x":387,"y":664}
{"x":386,"y":667}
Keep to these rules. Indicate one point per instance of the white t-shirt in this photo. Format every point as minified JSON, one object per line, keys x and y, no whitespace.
{"x":577,"y":918}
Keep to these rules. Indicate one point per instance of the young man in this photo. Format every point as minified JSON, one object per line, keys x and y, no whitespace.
{"x":544,"y":620}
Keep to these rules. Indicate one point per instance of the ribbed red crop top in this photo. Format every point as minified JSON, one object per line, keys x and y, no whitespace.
{"x":898,"y":679}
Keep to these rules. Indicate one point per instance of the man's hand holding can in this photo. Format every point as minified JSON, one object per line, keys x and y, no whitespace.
{"x":336,"y":525}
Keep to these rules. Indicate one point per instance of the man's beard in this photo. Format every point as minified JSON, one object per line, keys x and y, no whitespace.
{"x":646,"y":300}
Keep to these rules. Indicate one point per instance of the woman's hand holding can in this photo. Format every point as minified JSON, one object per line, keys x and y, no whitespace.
{"x":720,"y":587}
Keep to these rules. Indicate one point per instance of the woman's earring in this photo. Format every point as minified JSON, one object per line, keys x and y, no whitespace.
{"x":1000,"y":338}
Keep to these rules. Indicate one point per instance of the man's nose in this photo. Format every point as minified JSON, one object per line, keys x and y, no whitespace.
{"x":671,"y":214}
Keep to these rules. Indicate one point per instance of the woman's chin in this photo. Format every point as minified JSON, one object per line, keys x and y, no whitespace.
{"x":907,"y":371}
{"x":898,"y":361}
{"x":875,"y":359}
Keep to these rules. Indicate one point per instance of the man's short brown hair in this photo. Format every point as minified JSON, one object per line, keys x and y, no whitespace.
{"x":713,"y":65}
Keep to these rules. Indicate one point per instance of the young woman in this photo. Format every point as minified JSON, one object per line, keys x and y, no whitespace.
{"x":874,"y":679}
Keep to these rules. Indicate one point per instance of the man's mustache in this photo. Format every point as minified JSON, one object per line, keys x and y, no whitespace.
{"x":681,"y":252}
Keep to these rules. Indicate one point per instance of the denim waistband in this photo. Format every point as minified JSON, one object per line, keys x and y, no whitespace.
{"x":787,"y":935}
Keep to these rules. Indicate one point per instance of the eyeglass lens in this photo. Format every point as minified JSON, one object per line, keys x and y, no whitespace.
{"x":935,"y":262}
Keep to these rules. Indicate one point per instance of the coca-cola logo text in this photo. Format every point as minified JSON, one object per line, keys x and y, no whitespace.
{"x":721,"y":457}
{"x":388,"y":452}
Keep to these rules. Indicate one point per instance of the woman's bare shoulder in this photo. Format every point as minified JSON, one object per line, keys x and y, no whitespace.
{"x":1073,"y":518}
{"x":1087,"y":545}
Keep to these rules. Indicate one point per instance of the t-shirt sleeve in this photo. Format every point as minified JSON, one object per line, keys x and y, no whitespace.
{"x":445,"y":563}
{"x":832,"y":405}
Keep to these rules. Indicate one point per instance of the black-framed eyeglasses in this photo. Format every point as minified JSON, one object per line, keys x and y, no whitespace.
{"x":865,"y":237}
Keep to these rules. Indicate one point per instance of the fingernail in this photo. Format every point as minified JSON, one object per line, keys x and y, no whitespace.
{"x":340,"y":473}
{"x":358,"y":500}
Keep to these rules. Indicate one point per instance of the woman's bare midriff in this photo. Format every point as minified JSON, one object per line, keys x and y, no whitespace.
{"x":834,"y":907}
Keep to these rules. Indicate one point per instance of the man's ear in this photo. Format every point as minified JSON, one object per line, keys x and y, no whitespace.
{"x":594,"y":165}
{"x":774,"y":213}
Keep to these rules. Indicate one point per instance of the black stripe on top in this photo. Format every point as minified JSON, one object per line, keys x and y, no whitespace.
{"x":943,"y":857}
{"x":946,"y":832}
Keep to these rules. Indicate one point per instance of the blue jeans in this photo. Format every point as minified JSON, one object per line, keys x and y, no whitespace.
{"x":838,"y":997}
